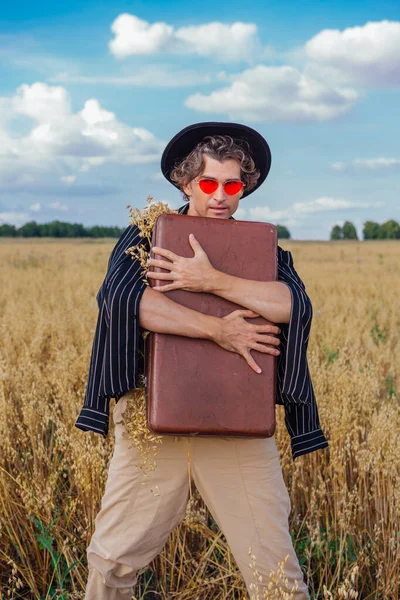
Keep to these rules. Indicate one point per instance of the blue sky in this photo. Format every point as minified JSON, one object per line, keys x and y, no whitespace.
{"x":90,"y":93}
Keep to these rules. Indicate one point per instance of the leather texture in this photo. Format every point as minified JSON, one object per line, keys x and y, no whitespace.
{"x":194,"y":386}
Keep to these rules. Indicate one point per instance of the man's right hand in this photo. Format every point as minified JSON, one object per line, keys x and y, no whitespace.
{"x":235,"y":334}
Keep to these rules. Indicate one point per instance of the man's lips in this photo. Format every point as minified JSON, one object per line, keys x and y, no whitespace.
{"x":219,"y":207}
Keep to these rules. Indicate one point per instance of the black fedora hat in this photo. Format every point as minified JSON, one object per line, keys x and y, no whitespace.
{"x":185,"y":141}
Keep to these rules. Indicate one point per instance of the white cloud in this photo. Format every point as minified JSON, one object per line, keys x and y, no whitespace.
{"x":35,"y":207}
{"x":93,"y":113}
{"x":326,"y":203}
{"x":381,"y":164}
{"x":58,"y":206}
{"x":153,"y":76}
{"x":14,"y":218}
{"x":136,"y":36}
{"x":68,"y":179}
{"x":368,"y":54}
{"x":240,"y":213}
{"x":276,"y":94}
{"x":235,"y":42}
{"x":41,"y":102}
{"x":338,"y":166}
{"x":265,"y":213}
{"x":294,"y":214}
{"x":269,"y":214}
{"x":62,"y":143}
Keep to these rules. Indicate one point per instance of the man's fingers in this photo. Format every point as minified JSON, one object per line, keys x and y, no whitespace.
{"x":246,"y":313}
{"x":165,"y":288}
{"x":195,"y":242}
{"x":251,"y":362}
{"x":268,"y":328}
{"x":267,"y":339}
{"x":164,"y":252}
{"x":164,"y":264}
{"x":265,"y":349}
{"x":159,"y":275}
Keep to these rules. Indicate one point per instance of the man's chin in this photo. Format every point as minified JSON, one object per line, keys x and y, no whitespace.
{"x":223,"y":214}
{"x":219,"y":216}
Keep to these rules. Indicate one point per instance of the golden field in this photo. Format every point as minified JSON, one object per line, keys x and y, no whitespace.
{"x":345,"y":499}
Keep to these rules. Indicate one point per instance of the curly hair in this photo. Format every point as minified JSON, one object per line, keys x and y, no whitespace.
{"x":219,"y":147}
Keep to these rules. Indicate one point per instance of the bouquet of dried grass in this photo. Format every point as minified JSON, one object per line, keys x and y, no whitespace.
{"x":145,"y":220}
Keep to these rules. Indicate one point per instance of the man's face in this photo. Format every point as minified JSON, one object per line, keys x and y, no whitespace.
{"x":219,"y":204}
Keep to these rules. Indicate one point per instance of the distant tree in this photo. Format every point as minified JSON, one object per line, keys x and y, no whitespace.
{"x":78,"y":230}
{"x":30,"y":229}
{"x":371,"y":230}
{"x":58,"y":229}
{"x":45,"y":228}
{"x":115,"y":231}
{"x":349,"y":231}
{"x":7,"y":230}
{"x":390,"y":230}
{"x":97,"y":231}
{"x":336,"y":233}
{"x":283,"y":232}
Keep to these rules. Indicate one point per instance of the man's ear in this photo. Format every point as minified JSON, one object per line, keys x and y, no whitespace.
{"x":187,"y":189}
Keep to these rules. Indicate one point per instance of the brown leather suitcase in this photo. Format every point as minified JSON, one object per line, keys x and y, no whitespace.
{"x":193,"y":385}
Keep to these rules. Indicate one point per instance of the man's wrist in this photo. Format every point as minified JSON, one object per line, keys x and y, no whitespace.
{"x":213,"y":327}
{"x":214,"y":281}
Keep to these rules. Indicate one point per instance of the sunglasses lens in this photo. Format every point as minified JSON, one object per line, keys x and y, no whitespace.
{"x":233,"y":187}
{"x":208,"y":186}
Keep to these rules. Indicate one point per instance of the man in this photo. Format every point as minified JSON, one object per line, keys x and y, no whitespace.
{"x":214,"y":165}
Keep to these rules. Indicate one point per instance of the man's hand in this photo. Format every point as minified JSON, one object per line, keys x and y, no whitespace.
{"x":190,"y":274}
{"x":237,"y":335}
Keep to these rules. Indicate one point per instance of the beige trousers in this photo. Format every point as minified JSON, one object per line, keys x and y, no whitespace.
{"x":239,"y":479}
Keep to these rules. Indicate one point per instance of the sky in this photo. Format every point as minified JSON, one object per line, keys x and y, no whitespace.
{"x":91,"y":93}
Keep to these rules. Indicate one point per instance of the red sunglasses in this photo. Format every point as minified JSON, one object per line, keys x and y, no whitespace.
{"x":208,"y":186}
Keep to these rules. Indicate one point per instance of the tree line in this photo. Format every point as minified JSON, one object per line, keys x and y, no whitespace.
{"x":61,"y":229}
{"x":389,"y":230}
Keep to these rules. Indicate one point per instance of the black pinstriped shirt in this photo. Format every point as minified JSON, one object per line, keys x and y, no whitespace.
{"x":117,"y":354}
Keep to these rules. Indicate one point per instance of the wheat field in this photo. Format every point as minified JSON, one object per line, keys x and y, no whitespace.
{"x":345,"y":499}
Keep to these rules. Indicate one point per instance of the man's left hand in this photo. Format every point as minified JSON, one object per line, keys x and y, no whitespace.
{"x":190,"y":274}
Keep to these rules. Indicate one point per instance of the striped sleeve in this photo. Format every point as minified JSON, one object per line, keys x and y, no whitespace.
{"x":293,"y":377}
{"x":94,"y":415}
{"x":302,"y":423}
{"x":114,"y":364}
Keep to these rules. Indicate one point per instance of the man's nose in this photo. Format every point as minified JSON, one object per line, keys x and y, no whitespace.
{"x":220,"y":193}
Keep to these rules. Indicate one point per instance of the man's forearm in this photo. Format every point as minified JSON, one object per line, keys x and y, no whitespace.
{"x":270,"y":299}
{"x":161,"y":314}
